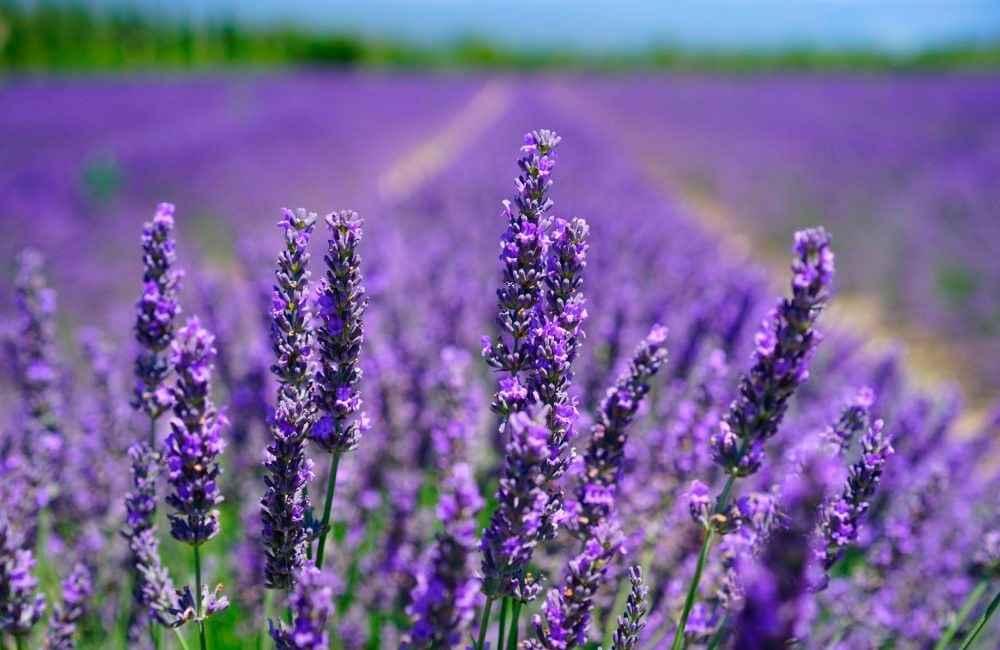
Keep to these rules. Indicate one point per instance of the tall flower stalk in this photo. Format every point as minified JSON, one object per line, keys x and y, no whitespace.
{"x":784,"y":348}
{"x":285,"y":503}
{"x":339,"y":335}
{"x":193,"y":450}
{"x":76,"y":591}
{"x":20,"y":606}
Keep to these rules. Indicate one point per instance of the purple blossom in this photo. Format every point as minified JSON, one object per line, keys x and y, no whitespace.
{"x":566,"y":615}
{"x":195,"y":441}
{"x":517,"y":524}
{"x":20,"y":606}
{"x":605,"y":455}
{"x":311,"y":602}
{"x":632,"y":620}
{"x":285,"y":504}
{"x":77,"y":589}
{"x":781,"y":359}
{"x":156,"y":311}
{"x":340,"y":306}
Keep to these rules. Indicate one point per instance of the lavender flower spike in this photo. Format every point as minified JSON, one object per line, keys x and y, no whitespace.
{"x":20,"y":606}
{"x":840,"y":518}
{"x":516,"y":525}
{"x":311,"y":603}
{"x":195,"y":442}
{"x":155,"y":313}
{"x":566,"y":612}
{"x":444,"y":598}
{"x":284,"y":506}
{"x":340,"y":307}
{"x":781,"y":359}
{"x":76,"y":589}
{"x":523,"y":257}
{"x":606,"y":451}
{"x":153,"y":589}
{"x":631,"y":623}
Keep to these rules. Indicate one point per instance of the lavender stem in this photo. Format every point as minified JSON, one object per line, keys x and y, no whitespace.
{"x":197,"y":596}
{"x":963,"y":613}
{"x":484,"y":623}
{"x":981,"y":623}
{"x":514,"y":629}
{"x":331,"y":486}
{"x":503,"y":623}
{"x":180,"y":638}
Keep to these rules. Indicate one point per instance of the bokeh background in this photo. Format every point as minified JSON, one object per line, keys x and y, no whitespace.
{"x":879,"y":119}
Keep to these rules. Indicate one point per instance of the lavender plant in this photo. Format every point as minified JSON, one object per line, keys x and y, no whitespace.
{"x":340,"y":307}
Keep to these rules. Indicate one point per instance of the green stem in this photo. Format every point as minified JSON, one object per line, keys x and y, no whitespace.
{"x":484,"y":623}
{"x":180,"y":638}
{"x":720,"y":506}
{"x":981,"y":623}
{"x":19,"y":640}
{"x":514,"y":629}
{"x":197,"y":598}
{"x":503,"y":623}
{"x":838,"y":637}
{"x":331,"y":485}
{"x":963,"y":613}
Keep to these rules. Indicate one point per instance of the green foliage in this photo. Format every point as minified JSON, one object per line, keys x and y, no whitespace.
{"x":65,"y":35}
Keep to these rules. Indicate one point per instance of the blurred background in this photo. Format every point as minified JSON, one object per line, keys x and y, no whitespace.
{"x":877,"y":118}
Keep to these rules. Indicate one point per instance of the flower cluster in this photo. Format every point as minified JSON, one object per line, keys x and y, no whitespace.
{"x":155,"y":313}
{"x":840,"y":517}
{"x":76,"y":591}
{"x":632,"y":621}
{"x":784,"y":348}
{"x":606,"y":451}
{"x":195,"y":441}
{"x":565,"y":615}
{"x":20,"y":606}
{"x":285,"y":504}
{"x":311,"y":604}
{"x":516,"y":525}
{"x":339,"y":335}
{"x":853,"y":420}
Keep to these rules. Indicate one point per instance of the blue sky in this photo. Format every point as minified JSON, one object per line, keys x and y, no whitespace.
{"x":624,"y":25}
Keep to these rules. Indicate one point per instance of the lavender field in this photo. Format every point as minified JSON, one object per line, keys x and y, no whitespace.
{"x":502,"y":390}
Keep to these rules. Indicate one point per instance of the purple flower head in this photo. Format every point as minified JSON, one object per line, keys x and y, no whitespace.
{"x":311,"y":602}
{"x":516,"y":525}
{"x":781,"y":359}
{"x":566,"y":615}
{"x":444,"y":597}
{"x":20,"y":606}
{"x":853,"y":419}
{"x":156,"y":311}
{"x":633,"y":620}
{"x":840,"y":518}
{"x":606,"y":452}
{"x":195,"y":441}
{"x":341,"y":304}
{"x":285,"y":504}
{"x":76,"y":591}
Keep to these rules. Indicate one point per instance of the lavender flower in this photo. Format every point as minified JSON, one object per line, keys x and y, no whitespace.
{"x":516,"y":525}
{"x":311,"y":603}
{"x":565,"y":615}
{"x":195,"y":441}
{"x":153,"y":589}
{"x":523,"y":256}
{"x":285,"y":504}
{"x":76,"y":589}
{"x":631,"y":622}
{"x":444,"y":598}
{"x":156,"y":311}
{"x":853,"y":419}
{"x":606,"y":451}
{"x":781,"y":359}
{"x":778,"y":603}
{"x":840,"y":517}
{"x":340,"y":307}
{"x":20,"y":606}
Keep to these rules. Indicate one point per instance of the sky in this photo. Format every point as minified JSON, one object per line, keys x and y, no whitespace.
{"x":628,"y":25}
